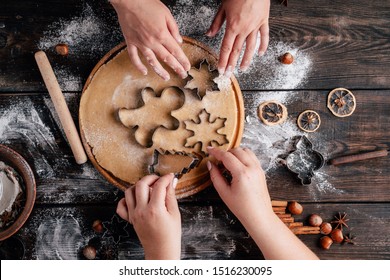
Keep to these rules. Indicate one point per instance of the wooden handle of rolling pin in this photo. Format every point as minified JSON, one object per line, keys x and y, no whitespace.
{"x":363,"y":156}
{"x":61,"y":108}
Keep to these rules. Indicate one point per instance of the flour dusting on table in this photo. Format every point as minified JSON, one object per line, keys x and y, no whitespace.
{"x":267,"y":72}
{"x":22,"y":123}
{"x":86,"y":34}
{"x":269,"y":142}
{"x":66,"y":79}
{"x":59,"y":239}
{"x":194,"y":19}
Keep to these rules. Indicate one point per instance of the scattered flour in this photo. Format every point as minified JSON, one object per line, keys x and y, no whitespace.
{"x":206,"y":223}
{"x":66,"y":79}
{"x":270,"y":143}
{"x":321,"y":184}
{"x":273,"y":143}
{"x":87,"y":34}
{"x":21,"y":123}
{"x":266,"y":72}
{"x":58,"y":239}
{"x":194,"y":20}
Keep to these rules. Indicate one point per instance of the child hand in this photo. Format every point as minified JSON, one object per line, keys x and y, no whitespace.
{"x":244,"y":20}
{"x":247,"y":194}
{"x":149,"y":27}
{"x":152,"y":208}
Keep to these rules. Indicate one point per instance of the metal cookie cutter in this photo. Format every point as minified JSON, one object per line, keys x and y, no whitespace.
{"x":303,"y":161}
{"x":177,"y":162}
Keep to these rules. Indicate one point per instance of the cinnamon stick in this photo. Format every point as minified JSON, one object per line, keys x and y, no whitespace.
{"x":279,"y":203}
{"x":287,"y":220}
{"x":294,"y":224}
{"x":283,"y":215}
{"x":279,"y":209}
{"x":305,"y":230}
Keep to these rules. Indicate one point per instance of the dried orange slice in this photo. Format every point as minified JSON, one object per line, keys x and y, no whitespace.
{"x":272,"y":112}
{"x":341,"y":102}
{"x":309,"y":121}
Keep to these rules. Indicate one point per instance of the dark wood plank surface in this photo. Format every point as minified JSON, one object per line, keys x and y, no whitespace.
{"x":209,"y":232}
{"x":340,"y":44}
{"x":346,"y":40}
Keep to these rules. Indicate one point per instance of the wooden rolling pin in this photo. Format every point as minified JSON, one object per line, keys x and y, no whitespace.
{"x":61,"y":108}
{"x":358,"y":157}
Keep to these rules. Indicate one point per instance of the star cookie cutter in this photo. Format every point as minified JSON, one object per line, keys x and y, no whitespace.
{"x":164,"y":161}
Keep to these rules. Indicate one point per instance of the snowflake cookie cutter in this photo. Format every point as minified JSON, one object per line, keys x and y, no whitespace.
{"x":161,"y":166}
{"x":145,"y":119}
{"x":205,"y":131}
{"x":206,"y":72}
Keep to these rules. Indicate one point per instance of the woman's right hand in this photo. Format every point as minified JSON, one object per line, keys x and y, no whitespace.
{"x":149,"y":28}
{"x":247,"y":194}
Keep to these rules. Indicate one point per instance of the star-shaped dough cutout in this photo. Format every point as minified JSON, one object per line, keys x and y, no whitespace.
{"x":205,"y":131}
{"x":202,"y":79}
{"x":153,"y":113}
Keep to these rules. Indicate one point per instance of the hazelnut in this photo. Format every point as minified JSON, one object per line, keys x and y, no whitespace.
{"x":62,"y":49}
{"x":287,"y":58}
{"x":295,"y":208}
{"x":326,"y":242}
{"x":89,"y":252}
{"x":97,"y":226}
{"x":337,"y":235}
{"x":326,"y":228}
{"x":315,"y":220}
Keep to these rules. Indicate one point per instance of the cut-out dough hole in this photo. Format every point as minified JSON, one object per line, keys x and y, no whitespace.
{"x":154,"y":112}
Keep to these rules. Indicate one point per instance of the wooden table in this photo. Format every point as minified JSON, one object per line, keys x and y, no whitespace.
{"x":347,"y":44}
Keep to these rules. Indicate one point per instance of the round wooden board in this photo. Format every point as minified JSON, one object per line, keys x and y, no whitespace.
{"x":112,"y":148}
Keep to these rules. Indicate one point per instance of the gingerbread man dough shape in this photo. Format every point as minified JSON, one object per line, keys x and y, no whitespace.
{"x":153,"y":113}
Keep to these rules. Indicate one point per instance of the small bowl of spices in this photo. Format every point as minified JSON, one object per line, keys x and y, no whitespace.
{"x":17,"y":191}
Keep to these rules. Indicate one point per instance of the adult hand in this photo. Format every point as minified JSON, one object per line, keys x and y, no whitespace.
{"x":244,"y":20}
{"x":149,"y":27}
{"x":248,"y":198}
{"x":152,"y":208}
{"x":247,"y":193}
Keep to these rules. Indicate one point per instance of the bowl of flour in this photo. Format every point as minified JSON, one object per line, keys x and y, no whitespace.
{"x":17,"y":191}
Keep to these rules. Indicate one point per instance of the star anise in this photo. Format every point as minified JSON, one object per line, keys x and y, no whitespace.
{"x":7,"y":218}
{"x":340,"y":220}
{"x":350,"y":239}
